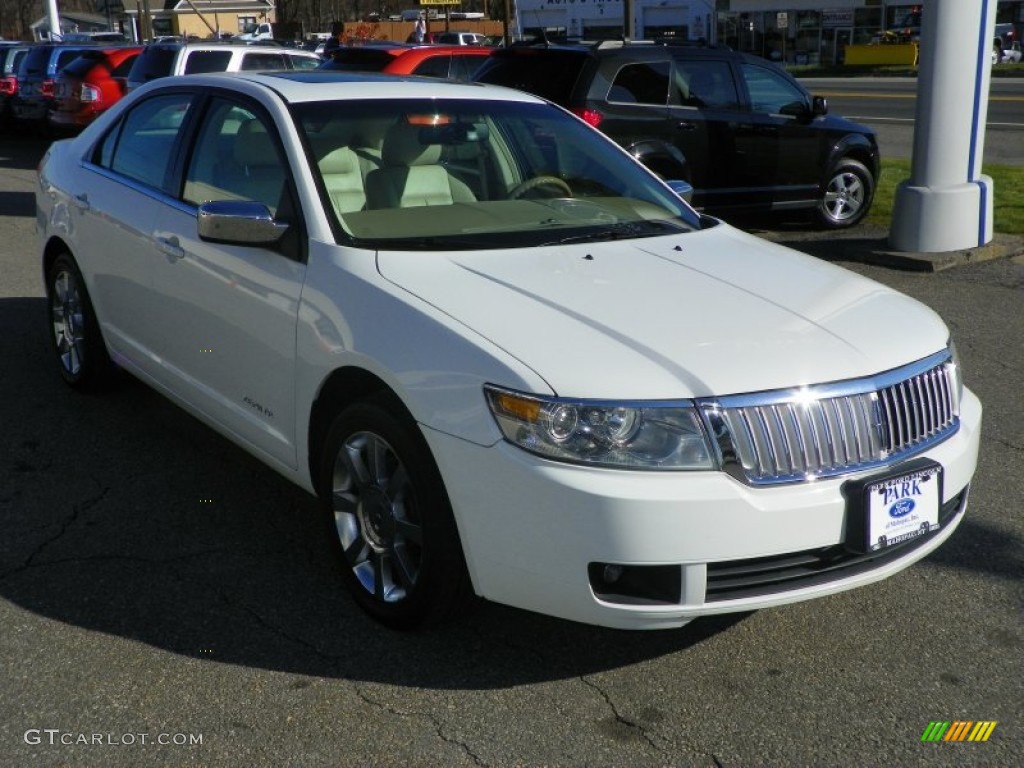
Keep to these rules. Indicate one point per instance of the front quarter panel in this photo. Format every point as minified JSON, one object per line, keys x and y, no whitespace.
{"x":860,"y":146}
{"x":351,"y":317}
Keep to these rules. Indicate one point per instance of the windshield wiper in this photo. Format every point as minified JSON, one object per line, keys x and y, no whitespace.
{"x":618,"y":232}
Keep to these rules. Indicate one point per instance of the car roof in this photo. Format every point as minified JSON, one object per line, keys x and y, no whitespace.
{"x":635,"y":49}
{"x":428,"y":51}
{"x":311,"y":85}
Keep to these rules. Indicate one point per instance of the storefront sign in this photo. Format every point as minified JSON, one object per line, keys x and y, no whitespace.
{"x":782,"y":20}
{"x":837,"y":17}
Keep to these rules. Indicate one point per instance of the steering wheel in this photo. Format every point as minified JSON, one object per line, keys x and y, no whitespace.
{"x":539,"y":181}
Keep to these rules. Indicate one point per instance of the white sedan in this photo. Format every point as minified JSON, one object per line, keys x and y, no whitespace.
{"x":511,"y":362}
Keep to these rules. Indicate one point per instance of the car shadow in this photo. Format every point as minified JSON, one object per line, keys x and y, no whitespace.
{"x":17,"y":204}
{"x":125,"y":516}
{"x":21,"y":152}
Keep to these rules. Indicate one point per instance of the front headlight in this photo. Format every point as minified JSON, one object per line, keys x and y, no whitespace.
{"x":609,"y":434}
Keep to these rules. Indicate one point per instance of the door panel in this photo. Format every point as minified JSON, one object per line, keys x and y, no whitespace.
{"x":778,"y":139}
{"x":704,"y":116}
{"x":635,"y":106}
{"x":228,"y":313}
{"x":127,"y":180}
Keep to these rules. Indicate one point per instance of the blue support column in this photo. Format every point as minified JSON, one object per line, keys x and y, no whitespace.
{"x":946,"y":204}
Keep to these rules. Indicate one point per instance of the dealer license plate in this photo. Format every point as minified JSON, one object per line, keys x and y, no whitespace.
{"x":903,"y":507}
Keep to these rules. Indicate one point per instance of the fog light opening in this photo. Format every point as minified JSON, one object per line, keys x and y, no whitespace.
{"x":612,"y":573}
{"x":636,"y":584}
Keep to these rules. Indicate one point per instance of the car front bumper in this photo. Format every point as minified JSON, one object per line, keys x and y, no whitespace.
{"x":540,"y":535}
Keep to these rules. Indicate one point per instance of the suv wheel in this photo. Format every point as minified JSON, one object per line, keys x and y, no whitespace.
{"x":847,"y":195}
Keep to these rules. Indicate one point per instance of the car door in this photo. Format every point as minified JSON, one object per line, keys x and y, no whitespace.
{"x":630,"y":104}
{"x":124,"y":184}
{"x":778,"y":138}
{"x":703,"y":114}
{"x":229,"y":312}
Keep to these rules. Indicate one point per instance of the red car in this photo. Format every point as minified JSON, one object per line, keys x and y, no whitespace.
{"x":91,"y":84}
{"x":450,"y":62}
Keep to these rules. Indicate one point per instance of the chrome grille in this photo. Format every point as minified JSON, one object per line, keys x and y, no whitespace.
{"x":827,"y":430}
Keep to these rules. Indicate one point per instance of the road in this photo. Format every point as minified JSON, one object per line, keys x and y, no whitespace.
{"x":888,"y":104}
{"x":157,"y":584}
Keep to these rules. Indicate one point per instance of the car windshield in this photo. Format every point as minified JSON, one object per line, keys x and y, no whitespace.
{"x":451,"y":174}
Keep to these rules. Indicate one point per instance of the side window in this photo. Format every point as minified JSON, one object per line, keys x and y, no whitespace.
{"x":236,"y":158}
{"x":771,"y":92}
{"x":303,"y":62}
{"x":705,"y":84}
{"x":140,"y":146}
{"x":463,"y":67}
{"x":642,"y":83}
{"x":255,"y":62}
{"x":207,"y":61}
{"x":435,"y":66}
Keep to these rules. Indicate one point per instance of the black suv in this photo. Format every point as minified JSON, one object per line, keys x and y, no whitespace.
{"x":742,"y":131}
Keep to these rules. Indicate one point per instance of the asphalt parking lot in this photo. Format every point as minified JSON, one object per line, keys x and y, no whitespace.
{"x":166,"y":601}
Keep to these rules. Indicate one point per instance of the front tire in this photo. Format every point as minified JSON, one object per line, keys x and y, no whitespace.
{"x":75,"y":332}
{"x":390,"y":520}
{"x":847,"y":195}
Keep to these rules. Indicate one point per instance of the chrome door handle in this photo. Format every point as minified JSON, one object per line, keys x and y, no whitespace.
{"x":170,"y":248}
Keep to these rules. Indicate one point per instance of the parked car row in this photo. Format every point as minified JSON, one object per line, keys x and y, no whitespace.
{"x":60,"y":87}
{"x":739,"y":130}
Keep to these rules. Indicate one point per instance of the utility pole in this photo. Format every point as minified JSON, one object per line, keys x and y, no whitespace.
{"x":628,"y":20}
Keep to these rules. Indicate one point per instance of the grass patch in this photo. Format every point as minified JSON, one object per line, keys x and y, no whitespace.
{"x":1009,"y":195}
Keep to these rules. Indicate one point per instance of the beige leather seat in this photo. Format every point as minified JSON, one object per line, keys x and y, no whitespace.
{"x":259,"y":173}
{"x":411,"y":174}
{"x":343,"y":177}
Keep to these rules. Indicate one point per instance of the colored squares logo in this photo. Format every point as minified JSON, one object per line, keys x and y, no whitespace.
{"x":958,"y":730}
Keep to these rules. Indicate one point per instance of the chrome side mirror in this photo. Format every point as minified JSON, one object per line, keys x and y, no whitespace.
{"x":238,"y":222}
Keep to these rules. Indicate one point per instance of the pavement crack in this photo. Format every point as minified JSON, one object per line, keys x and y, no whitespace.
{"x":632,"y":725}
{"x":1012,"y":446}
{"x":438,"y":724}
{"x":76,"y":510}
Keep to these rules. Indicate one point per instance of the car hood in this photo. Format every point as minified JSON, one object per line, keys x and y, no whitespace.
{"x":714,"y":312}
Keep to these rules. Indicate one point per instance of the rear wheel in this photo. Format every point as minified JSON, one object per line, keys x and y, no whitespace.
{"x":390,"y":518}
{"x":847,"y":195}
{"x":75,"y":333}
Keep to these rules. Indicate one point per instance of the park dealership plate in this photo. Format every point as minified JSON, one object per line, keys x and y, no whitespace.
{"x":894,"y":508}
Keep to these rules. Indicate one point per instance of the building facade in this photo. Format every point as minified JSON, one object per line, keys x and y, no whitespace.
{"x":207,"y":19}
{"x":794,"y":31}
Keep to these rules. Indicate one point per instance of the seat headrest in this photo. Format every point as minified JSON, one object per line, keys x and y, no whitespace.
{"x":253,"y":145}
{"x":340,"y":160}
{"x":402,"y":146}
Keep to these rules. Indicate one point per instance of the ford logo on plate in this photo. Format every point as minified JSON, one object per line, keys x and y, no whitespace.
{"x":901,"y":508}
